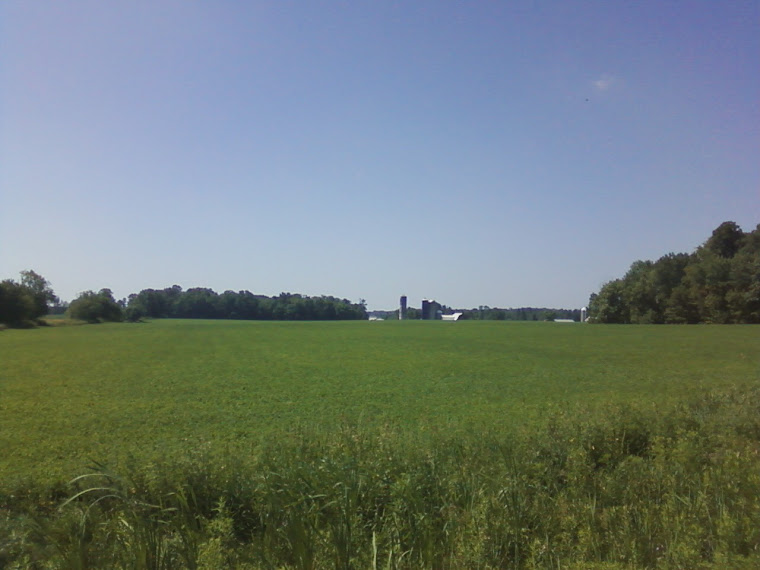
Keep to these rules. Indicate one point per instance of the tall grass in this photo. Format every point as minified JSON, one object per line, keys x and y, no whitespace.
{"x":616,"y":486}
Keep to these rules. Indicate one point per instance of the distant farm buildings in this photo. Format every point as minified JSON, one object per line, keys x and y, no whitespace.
{"x":431,"y":310}
{"x":452,"y":317}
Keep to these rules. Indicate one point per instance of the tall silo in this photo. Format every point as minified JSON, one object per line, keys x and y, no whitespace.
{"x":402,"y":308}
{"x":430,"y":309}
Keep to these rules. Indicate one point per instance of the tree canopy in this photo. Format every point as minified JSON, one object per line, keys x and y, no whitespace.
{"x":95,"y":307}
{"x":26,"y":301}
{"x":32,"y":298}
{"x":203,"y":303}
{"x":718,"y":283}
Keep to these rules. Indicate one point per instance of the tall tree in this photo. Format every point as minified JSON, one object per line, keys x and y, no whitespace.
{"x":25,"y":301}
{"x":16,"y":303}
{"x":744,"y":299}
{"x":725,"y":240}
{"x":40,"y":290}
{"x":609,"y":305}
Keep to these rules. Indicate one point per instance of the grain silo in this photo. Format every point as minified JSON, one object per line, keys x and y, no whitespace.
{"x":430,"y":310}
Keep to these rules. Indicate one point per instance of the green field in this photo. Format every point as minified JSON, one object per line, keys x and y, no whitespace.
{"x":70,"y":394}
{"x":171,"y":397}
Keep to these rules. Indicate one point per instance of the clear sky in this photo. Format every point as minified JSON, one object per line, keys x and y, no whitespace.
{"x":494,"y":153}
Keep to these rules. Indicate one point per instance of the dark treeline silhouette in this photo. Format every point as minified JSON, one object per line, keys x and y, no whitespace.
{"x":203,"y":303}
{"x":718,"y":283}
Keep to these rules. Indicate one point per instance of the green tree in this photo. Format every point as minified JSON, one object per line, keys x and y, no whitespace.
{"x":16,"y":303}
{"x":743,"y":299}
{"x":25,"y":301}
{"x":95,"y":307}
{"x":609,"y":305}
{"x":199,"y":303}
{"x":638,"y":294}
{"x":667,"y":275}
{"x":708,"y":279}
{"x":718,"y":283}
{"x":40,"y":290}
{"x":680,"y":309}
{"x":725,"y":240}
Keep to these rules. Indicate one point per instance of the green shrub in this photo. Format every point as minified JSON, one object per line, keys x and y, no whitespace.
{"x":95,"y":307}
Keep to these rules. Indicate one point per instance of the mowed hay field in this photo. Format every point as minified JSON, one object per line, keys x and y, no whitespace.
{"x":211,"y":444}
{"x":69,"y":395}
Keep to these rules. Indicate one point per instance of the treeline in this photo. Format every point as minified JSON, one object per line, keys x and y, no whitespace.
{"x":521,"y":314}
{"x":24,"y":303}
{"x":203,"y":303}
{"x":718,"y":283}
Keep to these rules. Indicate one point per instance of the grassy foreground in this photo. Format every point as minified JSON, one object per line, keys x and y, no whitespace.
{"x":400,"y":445}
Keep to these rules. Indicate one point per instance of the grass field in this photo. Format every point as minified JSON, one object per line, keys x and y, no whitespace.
{"x":221,"y":393}
{"x":76,"y":393}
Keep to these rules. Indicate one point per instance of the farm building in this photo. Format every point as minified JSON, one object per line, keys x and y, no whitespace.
{"x":453,"y":317}
{"x":431,"y":310}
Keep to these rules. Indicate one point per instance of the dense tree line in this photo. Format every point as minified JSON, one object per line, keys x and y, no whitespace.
{"x":203,"y":303}
{"x":519,"y":314}
{"x":718,"y":283}
{"x":25,"y":302}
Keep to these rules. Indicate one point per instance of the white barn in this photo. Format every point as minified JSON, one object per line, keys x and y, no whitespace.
{"x":454,"y":317}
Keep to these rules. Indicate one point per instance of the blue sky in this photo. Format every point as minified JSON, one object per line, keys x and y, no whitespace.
{"x":500,"y":153}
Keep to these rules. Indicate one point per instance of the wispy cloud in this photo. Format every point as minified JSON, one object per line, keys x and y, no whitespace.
{"x":604,"y":83}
